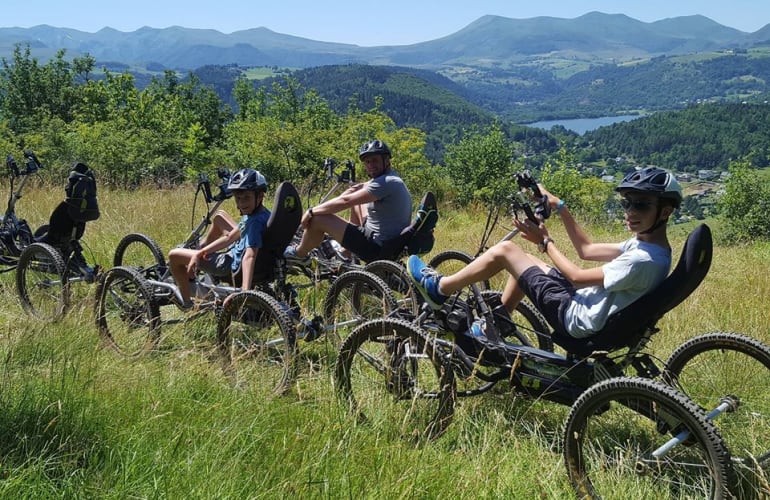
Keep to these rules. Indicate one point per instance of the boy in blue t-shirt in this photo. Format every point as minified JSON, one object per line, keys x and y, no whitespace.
{"x":241,"y":241}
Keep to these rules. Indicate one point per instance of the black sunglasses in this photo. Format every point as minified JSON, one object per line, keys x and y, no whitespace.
{"x":638,"y":205}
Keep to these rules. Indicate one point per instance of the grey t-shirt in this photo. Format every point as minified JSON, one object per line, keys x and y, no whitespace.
{"x":392,"y":211}
{"x":641,"y":267}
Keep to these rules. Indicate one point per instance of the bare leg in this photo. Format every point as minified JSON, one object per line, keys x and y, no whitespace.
{"x":505,"y":255}
{"x":512,"y":294}
{"x":320,"y":225}
{"x":178,"y":259}
{"x":221,"y":224}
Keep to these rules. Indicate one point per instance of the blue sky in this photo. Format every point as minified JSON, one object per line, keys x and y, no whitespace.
{"x":395,"y":22}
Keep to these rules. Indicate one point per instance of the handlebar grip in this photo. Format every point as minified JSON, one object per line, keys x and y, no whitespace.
{"x":11,"y":164}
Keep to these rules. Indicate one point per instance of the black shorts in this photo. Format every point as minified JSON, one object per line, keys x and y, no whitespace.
{"x":360,"y":241}
{"x":550,"y":293}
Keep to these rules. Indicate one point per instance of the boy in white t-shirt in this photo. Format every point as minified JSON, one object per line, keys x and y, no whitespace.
{"x":574,"y":300}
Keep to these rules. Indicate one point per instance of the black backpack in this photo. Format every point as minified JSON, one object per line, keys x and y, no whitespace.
{"x":82,"y":205}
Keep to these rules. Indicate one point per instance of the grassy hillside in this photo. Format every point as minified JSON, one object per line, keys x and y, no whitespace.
{"x":80,"y":422}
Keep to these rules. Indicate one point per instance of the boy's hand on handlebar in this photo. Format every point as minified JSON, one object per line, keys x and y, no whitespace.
{"x":534,"y":233}
{"x":552,"y":199}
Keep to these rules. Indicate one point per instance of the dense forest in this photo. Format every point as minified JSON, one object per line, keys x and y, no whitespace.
{"x":697,"y":138}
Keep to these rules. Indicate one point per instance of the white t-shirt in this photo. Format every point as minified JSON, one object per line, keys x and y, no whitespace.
{"x":641,"y":267}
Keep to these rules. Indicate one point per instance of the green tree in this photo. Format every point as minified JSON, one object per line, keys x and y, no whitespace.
{"x":745,"y":204}
{"x":588,"y":197}
{"x":481,"y":166}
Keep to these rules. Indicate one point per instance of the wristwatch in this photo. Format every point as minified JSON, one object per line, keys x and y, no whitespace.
{"x":543,"y":245}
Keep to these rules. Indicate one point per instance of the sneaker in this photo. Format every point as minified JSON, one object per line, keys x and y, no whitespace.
{"x":291,"y":254}
{"x":426,"y":281}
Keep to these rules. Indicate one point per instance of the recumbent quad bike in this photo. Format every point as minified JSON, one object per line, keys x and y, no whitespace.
{"x":49,"y":261}
{"x":695,"y":426}
{"x":258,"y":326}
{"x":328,"y":260}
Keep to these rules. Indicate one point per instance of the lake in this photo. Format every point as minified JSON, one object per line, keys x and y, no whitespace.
{"x":583,"y":125}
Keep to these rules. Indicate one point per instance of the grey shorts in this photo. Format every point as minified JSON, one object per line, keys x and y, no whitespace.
{"x":218,"y":265}
{"x":550,"y":293}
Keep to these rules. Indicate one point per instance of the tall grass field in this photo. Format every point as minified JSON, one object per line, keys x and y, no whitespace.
{"x":79,"y":421}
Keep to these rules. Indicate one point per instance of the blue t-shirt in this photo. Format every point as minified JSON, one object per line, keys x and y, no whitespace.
{"x":641,"y":267}
{"x":251,"y":227}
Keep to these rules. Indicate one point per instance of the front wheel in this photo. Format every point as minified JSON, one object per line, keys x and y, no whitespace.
{"x":143,"y":253}
{"x":388,"y":373}
{"x":256,"y":336}
{"x":614,"y":437}
{"x":127,"y":316}
{"x":354,"y":297}
{"x":43,"y":291}
{"x":396,"y":277}
{"x":714,"y":366}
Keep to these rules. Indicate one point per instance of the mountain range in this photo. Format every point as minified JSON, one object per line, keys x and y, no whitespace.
{"x":489,"y":42}
{"x":521,"y":70}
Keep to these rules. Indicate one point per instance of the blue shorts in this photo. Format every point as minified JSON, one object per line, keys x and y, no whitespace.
{"x":550,"y":293}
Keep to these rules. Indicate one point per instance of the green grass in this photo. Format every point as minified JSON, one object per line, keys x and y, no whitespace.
{"x":77,"y":421}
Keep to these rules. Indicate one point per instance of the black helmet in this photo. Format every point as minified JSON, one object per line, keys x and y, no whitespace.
{"x":374,"y":147}
{"x":653,"y":180}
{"x":247,"y":179}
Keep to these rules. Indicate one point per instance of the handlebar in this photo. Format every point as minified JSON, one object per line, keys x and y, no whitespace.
{"x":528,"y":191}
{"x":204,"y":184}
{"x":346,"y":176}
{"x":32,"y":164}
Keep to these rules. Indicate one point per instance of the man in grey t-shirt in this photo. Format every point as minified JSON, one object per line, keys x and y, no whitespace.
{"x":380,"y":209}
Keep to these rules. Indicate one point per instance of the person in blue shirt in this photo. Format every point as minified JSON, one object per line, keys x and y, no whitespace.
{"x":240,"y":241}
{"x":380,"y":209}
{"x":573,"y":299}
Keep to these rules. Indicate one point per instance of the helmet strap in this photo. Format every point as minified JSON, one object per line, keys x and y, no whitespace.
{"x":658,"y":220}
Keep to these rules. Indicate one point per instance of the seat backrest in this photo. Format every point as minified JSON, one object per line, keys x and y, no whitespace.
{"x":81,"y":200}
{"x":62,"y":228}
{"x":417,"y":237}
{"x":626,"y":327}
{"x":284,"y":220}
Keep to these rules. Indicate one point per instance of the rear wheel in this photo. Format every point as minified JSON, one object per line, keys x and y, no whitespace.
{"x":43,"y":291}
{"x":525,"y":326}
{"x":397,"y":279}
{"x":714,"y":366}
{"x":353,"y":298}
{"x":127,"y":317}
{"x":613,"y":443}
{"x":143,"y":253}
{"x":257,"y":339}
{"x":389,"y":374}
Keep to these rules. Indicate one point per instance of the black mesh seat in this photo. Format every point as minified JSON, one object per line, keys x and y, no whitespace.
{"x":62,"y":228}
{"x":417,"y":238}
{"x":626,"y":327}
{"x":284,"y":220}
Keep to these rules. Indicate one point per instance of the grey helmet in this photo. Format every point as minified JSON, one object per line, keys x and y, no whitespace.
{"x":653,"y":180}
{"x":373,"y":147}
{"x":247,"y":179}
